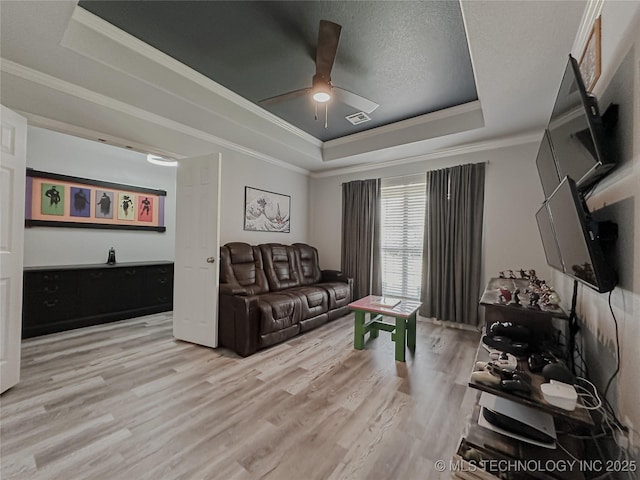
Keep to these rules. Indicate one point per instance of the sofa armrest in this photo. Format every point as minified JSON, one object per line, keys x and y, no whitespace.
{"x":334,"y":276}
{"x":232,"y":289}
{"x":238,"y":323}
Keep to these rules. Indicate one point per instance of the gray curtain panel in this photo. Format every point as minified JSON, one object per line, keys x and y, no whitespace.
{"x":361,"y":236}
{"x":452,"y":248}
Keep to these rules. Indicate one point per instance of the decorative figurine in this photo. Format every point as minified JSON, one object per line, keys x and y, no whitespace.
{"x":534,"y":298}
{"x":505,"y":295}
{"x":524,"y":274}
{"x":511,"y":274}
{"x":501,"y":275}
{"x":553,"y":299}
{"x":111,"y":259}
{"x":516,"y":298}
{"x":532,"y":273}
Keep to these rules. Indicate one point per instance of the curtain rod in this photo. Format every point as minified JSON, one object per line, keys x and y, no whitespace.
{"x":387,"y":178}
{"x":411,"y":174}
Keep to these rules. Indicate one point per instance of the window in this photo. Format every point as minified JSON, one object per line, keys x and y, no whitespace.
{"x":402,"y":229}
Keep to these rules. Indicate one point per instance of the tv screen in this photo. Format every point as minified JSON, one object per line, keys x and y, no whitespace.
{"x":576,"y":235}
{"x":576,"y":131}
{"x":548,"y":238}
{"x":547,"y":166}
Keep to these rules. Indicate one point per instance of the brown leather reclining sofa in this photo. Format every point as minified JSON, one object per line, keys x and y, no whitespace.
{"x":272,"y":292}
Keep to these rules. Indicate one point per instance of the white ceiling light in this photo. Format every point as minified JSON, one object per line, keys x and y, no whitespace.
{"x":321,"y":97}
{"x":164,"y":162}
{"x":321,"y":89}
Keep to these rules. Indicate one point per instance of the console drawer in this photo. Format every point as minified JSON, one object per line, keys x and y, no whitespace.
{"x":43,"y":308}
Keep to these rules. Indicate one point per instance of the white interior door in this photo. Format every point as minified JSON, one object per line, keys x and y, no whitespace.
{"x":195,"y":297}
{"x":13,"y":149}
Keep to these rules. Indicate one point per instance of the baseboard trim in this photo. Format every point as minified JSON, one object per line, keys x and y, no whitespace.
{"x":448,"y":324}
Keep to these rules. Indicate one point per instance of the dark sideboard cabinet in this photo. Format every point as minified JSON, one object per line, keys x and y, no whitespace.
{"x":72,"y":296}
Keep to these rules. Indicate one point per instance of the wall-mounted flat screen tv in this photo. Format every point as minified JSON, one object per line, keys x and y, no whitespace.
{"x":547,"y":166}
{"x":548,"y":238}
{"x":576,"y":131}
{"x":576,"y":235}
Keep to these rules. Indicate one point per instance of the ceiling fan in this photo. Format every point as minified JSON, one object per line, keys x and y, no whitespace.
{"x":321,"y":88}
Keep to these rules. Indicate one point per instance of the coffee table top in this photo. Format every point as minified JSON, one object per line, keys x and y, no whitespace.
{"x":404,"y":309}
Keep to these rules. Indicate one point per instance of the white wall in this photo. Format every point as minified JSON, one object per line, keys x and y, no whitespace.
{"x":238,"y":171}
{"x":617,"y":198}
{"x":59,"y":153}
{"x":512,"y":196}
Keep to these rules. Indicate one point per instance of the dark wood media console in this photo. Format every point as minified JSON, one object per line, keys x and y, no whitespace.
{"x":59,"y":298}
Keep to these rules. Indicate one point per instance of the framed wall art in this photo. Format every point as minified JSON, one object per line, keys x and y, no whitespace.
{"x":266,"y":211}
{"x":590,"y":61}
{"x":56,"y":200}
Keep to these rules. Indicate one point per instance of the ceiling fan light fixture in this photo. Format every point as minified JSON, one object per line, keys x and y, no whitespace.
{"x":321,"y":97}
{"x":321,"y":89}
{"x":163,"y":162}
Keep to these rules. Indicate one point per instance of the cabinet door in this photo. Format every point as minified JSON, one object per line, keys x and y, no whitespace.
{"x":96,"y":291}
{"x":127,"y":287}
{"x":110,"y":290}
{"x":50,"y":298}
{"x":158,"y":285}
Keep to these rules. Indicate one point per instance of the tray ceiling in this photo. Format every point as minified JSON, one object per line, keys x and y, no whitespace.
{"x":411,"y":58}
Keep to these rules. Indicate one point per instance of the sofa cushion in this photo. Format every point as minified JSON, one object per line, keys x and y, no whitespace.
{"x":308,"y":266}
{"x":313,"y":300}
{"x":339,"y":293}
{"x":310,"y":274}
{"x":241,"y":266}
{"x":278,"y":311}
{"x":280,"y":266}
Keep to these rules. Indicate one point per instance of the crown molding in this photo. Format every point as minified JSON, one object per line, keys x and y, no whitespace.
{"x":101,"y":27}
{"x":418,"y":121}
{"x":88,"y":134}
{"x":591,"y":13}
{"x":495,"y":144}
{"x":31,"y":75}
{"x":104,"y":28}
{"x":458,"y":119}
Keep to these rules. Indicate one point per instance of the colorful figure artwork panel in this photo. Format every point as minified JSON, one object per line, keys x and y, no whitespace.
{"x":52,"y":199}
{"x":56,"y":200}
{"x":104,"y":204}
{"x":80,"y":202}
{"x":145,"y":208}
{"x":125,"y":207}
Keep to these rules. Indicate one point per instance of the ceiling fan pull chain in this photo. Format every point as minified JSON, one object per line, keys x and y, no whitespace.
{"x":326,"y":115}
{"x":316,"y":115}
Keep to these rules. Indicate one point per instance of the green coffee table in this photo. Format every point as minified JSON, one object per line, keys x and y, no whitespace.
{"x":404,"y":329}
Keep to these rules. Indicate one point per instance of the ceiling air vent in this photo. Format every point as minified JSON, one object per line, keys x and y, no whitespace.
{"x":358,"y":118}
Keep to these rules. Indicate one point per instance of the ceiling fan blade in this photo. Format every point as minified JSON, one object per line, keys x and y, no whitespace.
{"x":328,"y":38}
{"x":356,"y":101}
{"x":286,"y":22}
{"x":284,"y":97}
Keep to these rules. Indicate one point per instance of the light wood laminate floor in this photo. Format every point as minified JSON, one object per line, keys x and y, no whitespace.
{"x":127,"y":401}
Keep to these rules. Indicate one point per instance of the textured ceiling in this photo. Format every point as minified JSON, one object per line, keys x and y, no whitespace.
{"x":409,"y":57}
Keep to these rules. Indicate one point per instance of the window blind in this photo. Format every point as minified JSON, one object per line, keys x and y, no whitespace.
{"x":402,"y":229}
